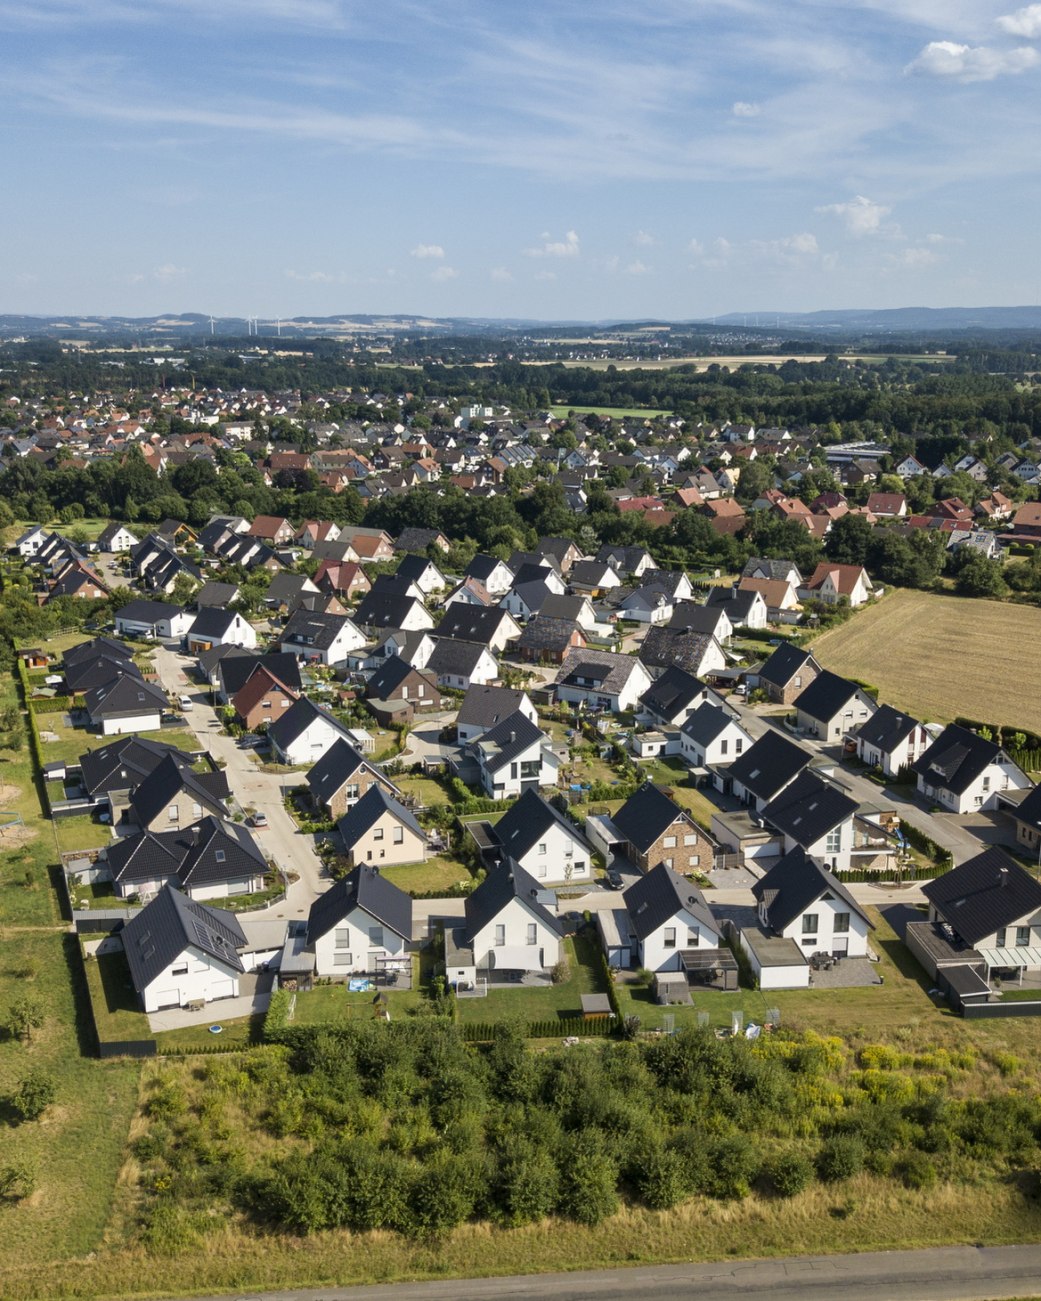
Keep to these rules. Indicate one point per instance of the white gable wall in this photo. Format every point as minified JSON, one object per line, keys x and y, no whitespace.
{"x":516,"y":920}
{"x":661,"y":950}
{"x":354,"y":944}
{"x":193,"y":975}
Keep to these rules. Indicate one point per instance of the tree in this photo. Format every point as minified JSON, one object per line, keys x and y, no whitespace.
{"x":981,"y":576}
{"x":33,"y":1096}
{"x":17,"y":1181}
{"x":24,"y":1017}
{"x":849,"y":540}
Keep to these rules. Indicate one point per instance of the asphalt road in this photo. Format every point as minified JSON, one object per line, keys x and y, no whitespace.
{"x":940,"y":1274}
{"x":250,"y":787}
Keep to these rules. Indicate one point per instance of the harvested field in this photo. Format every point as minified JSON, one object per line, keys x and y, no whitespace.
{"x":939,"y":657}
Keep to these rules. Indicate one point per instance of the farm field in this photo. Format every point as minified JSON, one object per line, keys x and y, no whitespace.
{"x":942,"y":656}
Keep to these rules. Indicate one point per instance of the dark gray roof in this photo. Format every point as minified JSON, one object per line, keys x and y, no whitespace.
{"x":164,"y":784}
{"x":657,"y":897}
{"x":663,"y":647}
{"x":697,"y":618}
{"x":214,"y":593}
{"x":164,"y":928}
{"x":234,"y":671}
{"x":564,"y":607}
{"x":624,"y":559}
{"x":311,"y":628}
{"x":337,"y":766}
{"x":769,"y":764}
{"x":886,"y":728}
{"x":503,"y":884}
{"x":385,"y":610}
{"x":591,"y":573}
{"x":213,"y":621}
{"x":674,"y":691}
{"x":366,"y":889}
{"x":737,"y":602}
{"x":808,"y":809}
{"x":296,"y":719}
{"x":548,"y":634}
{"x":784,"y":663}
{"x":526,"y":822}
{"x":453,"y":657}
{"x":208,"y":853}
{"x":125,"y":763}
{"x":761,"y":567}
{"x":286,"y":587}
{"x":87,"y":674}
{"x":956,"y":758}
{"x":368,"y":810}
{"x":608,"y":671}
{"x":486,"y":706}
{"x":90,"y":650}
{"x":479,"y":623}
{"x":507,"y":740}
{"x":413,"y":568}
{"x":149,"y":611}
{"x":385,"y":682}
{"x":646,"y":814}
{"x":417,"y":539}
{"x":124,"y":696}
{"x":706,"y":723}
{"x":828,"y":695}
{"x":482,"y":567}
{"x":984,"y":894}
{"x":795,"y":883}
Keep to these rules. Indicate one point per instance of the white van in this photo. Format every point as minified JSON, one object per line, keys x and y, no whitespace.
{"x":185,"y":702}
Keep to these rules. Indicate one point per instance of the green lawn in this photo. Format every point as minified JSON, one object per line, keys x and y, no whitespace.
{"x":427,"y":790}
{"x":673,"y":773}
{"x":434,"y":874}
{"x":71,"y":742}
{"x":618,"y":413}
{"x":240,"y":1032}
{"x":81,"y":833}
{"x":541,"y":1002}
{"x":333,"y":1004}
{"x":117,"y":1013}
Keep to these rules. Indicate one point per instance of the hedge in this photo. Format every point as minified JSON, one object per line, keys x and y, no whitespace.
{"x":276,"y":1018}
{"x":926,"y":845}
{"x":1001,"y":731}
{"x":49,"y":704}
{"x":596,"y":1028}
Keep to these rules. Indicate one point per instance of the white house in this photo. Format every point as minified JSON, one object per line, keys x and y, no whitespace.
{"x":462,"y":664}
{"x":31,"y":541}
{"x":830,"y":583}
{"x":507,"y":929}
{"x":669,"y":915}
{"x":601,"y":680}
{"x":317,"y":638}
{"x":362,"y":923}
{"x":544,"y":842}
{"x":514,"y":756}
{"x":712,"y":735}
{"x":964,"y":772}
{"x":153,"y":620}
{"x":214,"y":626}
{"x":116,"y":538}
{"x":180,"y":952}
{"x":126,"y":703}
{"x":891,"y":740}
{"x":485,"y":706}
{"x":814,"y":815}
{"x":304,"y":732}
{"x":831,"y":707}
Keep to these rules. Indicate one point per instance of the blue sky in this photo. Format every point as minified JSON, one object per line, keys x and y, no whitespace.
{"x":574,"y":159}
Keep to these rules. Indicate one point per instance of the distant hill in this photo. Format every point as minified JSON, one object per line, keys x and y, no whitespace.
{"x":895,"y":320}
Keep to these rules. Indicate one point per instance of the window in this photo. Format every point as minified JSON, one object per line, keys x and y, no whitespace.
{"x":693,"y":936}
{"x":542,"y":846}
{"x":543,"y":871}
{"x":669,"y":938}
{"x":377,"y":833}
{"x":180,"y":971}
{"x":739,"y":745}
{"x":375,"y":937}
{"x":809,"y":924}
{"x":265,"y":704}
{"x":500,"y":936}
{"x":811,"y":942}
{"x":196,"y":810}
{"x":669,"y":842}
{"x":172,"y":812}
{"x":690,"y":840}
{"x":353,"y":791}
{"x":533,"y":933}
{"x":1022,"y":937}
{"x":841,"y":923}
{"x":723,"y":745}
{"x":342,"y":959}
{"x":342,"y":937}
{"x":219,"y":855}
{"x":399,"y":835}
{"x":833,"y":844}
{"x":999,"y":939}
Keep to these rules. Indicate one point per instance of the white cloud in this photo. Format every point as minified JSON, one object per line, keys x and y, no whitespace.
{"x":311,"y":277}
{"x":501,"y":274}
{"x":742,"y":108}
{"x":428,"y":250}
{"x":441,"y":274}
{"x":1024,"y":22}
{"x":567,"y":247}
{"x":696,"y":248}
{"x":643,"y":239}
{"x":965,"y":63}
{"x":168,"y":272}
{"x":912,"y":258}
{"x":789,"y":248}
{"x":637,"y":268}
{"x":862,"y":216}
{"x":545,"y":275}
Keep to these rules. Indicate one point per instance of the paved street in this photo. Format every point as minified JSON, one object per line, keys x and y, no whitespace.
{"x":961,"y":1273}
{"x":251,"y":788}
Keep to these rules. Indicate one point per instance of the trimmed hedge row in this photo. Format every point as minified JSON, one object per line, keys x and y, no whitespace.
{"x":49,"y":704}
{"x":597,"y":1028}
{"x":926,"y":845}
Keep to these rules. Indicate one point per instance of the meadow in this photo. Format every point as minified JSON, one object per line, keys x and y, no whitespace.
{"x":938,"y":657}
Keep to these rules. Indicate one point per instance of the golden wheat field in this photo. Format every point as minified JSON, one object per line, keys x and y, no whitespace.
{"x":939,"y":657}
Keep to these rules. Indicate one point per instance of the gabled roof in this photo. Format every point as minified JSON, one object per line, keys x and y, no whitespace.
{"x":164,"y":784}
{"x":207,"y":853}
{"x":310,"y":628}
{"x":503,"y":884}
{"x":125,"y":695}
{"x":737,"y":602}
{"x":482,"y":567}
{"x":659,"y":896}
{"x":983,"y":894}
{"x":784,"y":663}
{"x":90,"y":650}
{"x":125,"y":763}
{"x":86,"y":674}
{"x":148,"y":611}
{"x":610,"y":672}
{"x":214,"y":593}
{"x":213,"y":621}
{"x":486,"y":706}
{"x":462,"y":622}
{"x":769,"y":764}
{"x":956,"y":759}
{"x":256,"y":687}
{"x":366,"y":889}
{"x":886,"y":728}
{"x":169,"y":924}
{"x":460,"y":658}
{"x":673,"y":692}
{"x":665,"y":647}
{"x":808,"y":809}
{"x":828,"y":695}
{"x":384,"y":610}
{"x":794,"y":884}
{"x":234,"y":671}
{"x":646,"y":815}
{"x":507,"y":740}
{"x":526,"y":822}
{"x":360,"y":817}
{"x":296,"y":720}
{"x":707,"y":722}
{"x":415,"y":567}
{"x":336,"y":767}
{"x":548,"y":634}
{"x":384,"y":683}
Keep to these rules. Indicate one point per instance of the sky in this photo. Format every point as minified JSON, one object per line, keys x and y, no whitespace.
{"x":549,"y":159}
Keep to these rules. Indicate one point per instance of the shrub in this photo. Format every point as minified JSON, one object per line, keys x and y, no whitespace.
{"x":17,"y":1181}
{"x":790,"y":1174}
{"x":840,"y":1157}
{"x":526,"y":1183}
{"x":916,"y":1170}
{"x":560,"y":972}
{"x":733,"y":1164}
{"x":588,"y":1179}
{"x":33,"y":1096}
{"x":660,"y":1178}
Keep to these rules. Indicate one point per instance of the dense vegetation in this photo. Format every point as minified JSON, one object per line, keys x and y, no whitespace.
{"x":405,"y":1127}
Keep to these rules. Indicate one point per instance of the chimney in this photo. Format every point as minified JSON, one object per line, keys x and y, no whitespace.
{"x":513,"y":737}
{"x":1002,"y":876}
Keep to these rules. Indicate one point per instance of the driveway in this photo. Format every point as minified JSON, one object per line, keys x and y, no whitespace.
{"x":254,"y":998}
{"x":424,"y":744}
{"x":280,"y":839}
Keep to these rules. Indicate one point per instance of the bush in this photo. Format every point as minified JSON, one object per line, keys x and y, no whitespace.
{"x":840,"y":1158}
{"x":790,"y":1174}
{"x":733,"y":1164}
{"x":277,"y":1016}
{"x":660,"y":1178}
{"x":588,"y":1179}
{"x":916,"y":1170}
{"x":33,"y":1096}
{"x":17,"y":1180}
{"x":560,"y":972}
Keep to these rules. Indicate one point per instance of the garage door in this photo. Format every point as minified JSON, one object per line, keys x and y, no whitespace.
{"x":222,"y":989}
{"x":168,"y":998}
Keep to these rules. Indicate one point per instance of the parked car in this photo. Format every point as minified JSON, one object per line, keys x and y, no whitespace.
{"x":613,"y":879}
{"x":185,"y":702}
{"x":257,"y":820}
